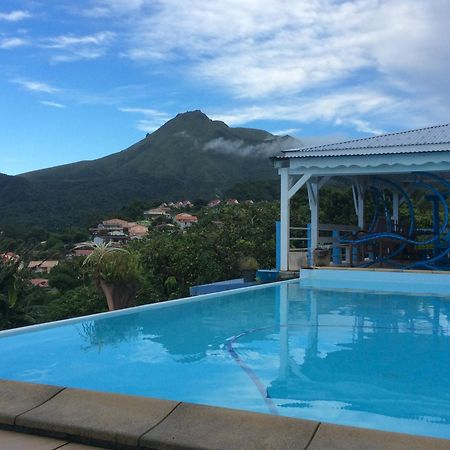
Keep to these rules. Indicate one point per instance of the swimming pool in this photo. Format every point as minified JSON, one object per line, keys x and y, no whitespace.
{"x":362,"y":358}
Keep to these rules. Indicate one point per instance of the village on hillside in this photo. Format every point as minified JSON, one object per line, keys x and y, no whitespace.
{"x":116,"y":232}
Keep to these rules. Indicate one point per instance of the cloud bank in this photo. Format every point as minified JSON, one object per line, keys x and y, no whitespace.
{"x":238,"y":147}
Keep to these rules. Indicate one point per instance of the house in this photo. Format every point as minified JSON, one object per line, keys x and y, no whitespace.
{"x":39,"y":282}
{"x":232,"y":201}
{"x":185,"y":220}
{"x":169,"y":227}
{"x":117,"y":232}
{"x":161,"y":211}
{"x":137,"y":231}
{"x":9,"y":257}
{"x":115,"y":223}
{"x":213,"y":203}
{"x":45,"y":266}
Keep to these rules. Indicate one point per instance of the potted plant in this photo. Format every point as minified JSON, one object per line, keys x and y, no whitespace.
{"x":322,"y":256}
{"x":248,"y":266}
{"x":116,"y":271}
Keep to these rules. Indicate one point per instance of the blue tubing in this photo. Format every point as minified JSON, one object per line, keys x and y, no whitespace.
{"x":411,"y":225}
{"x":428,"y":262}
{"x":397,"y":237}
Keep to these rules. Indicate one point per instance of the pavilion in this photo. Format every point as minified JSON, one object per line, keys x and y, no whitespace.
{"x":391,"y":168}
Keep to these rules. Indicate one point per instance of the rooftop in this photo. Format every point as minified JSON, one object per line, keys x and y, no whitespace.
{"x":436,"y":138}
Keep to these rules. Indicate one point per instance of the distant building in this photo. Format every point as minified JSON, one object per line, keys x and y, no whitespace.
{"x":117,"y":232}
{"x":161,"y":211}
{"x":42,"y":266}
{"x":9,"y":257}
{"x":137,"y":231}
{"x":232,"y":201}
{"x":169,"y":227}
{"x":185,"y":220}
{"x":39,"y":282}
{"x":213,"y":203}
{"x":115,"y":223}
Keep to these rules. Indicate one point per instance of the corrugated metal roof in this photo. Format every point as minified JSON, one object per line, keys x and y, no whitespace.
{"x":414,"y":141}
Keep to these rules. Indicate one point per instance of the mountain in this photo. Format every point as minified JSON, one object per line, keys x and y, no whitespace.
{"x":189,"y":157}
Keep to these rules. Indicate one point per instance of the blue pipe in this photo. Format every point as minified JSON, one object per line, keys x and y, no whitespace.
{"x":397,"y":237}
{"x":411,"y":225}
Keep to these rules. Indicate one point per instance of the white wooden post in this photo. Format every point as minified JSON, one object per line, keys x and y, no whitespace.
{"x":358,"y":198}
{"x":313,"y":197}
{"x":284,"y":219}
{"x":360,"y":208}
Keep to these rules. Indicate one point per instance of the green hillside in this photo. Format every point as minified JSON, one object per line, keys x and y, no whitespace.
{"x":189,"y":157}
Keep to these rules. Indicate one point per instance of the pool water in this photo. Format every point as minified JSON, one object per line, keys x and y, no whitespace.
{"x":362,"y":358}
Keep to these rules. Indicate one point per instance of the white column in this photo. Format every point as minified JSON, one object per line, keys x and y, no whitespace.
{"x":284,"y":219}
{"x":313,"y":197}
{"x":358,"y":197}
{"x":360,"y":208}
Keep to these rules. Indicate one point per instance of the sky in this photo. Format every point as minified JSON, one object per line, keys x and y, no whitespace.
{"x":83,"y":79}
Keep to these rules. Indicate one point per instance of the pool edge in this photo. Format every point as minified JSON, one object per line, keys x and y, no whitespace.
{"x":133,"y":422}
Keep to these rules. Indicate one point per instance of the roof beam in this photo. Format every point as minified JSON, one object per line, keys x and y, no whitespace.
{"x":294,"y":189}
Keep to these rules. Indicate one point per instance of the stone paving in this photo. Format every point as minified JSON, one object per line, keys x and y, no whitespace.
{"x":10,"y":440}
{"x":115,"y":421}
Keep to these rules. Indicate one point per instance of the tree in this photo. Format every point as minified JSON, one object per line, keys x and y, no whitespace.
{"x":20,"y":303}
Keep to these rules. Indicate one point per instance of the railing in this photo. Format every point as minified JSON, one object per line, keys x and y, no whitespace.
{"x":299,"y":238}
{"x":330,"y":236}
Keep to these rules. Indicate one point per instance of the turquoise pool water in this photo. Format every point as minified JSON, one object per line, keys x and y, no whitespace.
{"x":372,"y":359}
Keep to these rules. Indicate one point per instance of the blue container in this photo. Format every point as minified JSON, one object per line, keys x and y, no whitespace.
{"x":267,"y":275}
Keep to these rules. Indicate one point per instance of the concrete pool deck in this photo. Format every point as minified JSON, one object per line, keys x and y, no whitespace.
{"x":68,"y":417}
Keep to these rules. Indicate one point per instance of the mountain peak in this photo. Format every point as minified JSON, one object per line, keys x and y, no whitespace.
{"x":192,"y":115}
{"x":196,"y":122}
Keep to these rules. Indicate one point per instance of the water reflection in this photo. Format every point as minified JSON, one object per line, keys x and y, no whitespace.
{"x":110,"y":331}
{"x":380,"y":353}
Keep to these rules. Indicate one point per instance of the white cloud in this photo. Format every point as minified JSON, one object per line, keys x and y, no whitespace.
{"x":282,"y":50}
{"x":101,"y":8}
{"x":341,"y":106}
{"x":10,"y":43}
{"x":289,"y":131}
{"x":73,"y":48}
{"x":145,"y":111}
{"x":69,"y":40}
{"x":238,"y":147}
{"x":152,"y":120}
{"x":15,"y":16}
{"x":52,"y":104}
{"x":36,"y":86}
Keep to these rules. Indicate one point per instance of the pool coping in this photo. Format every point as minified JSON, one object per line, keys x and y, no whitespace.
{"x":119,"y":421}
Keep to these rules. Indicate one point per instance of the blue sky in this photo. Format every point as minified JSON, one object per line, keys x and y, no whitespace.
{"x":83,"y":79}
